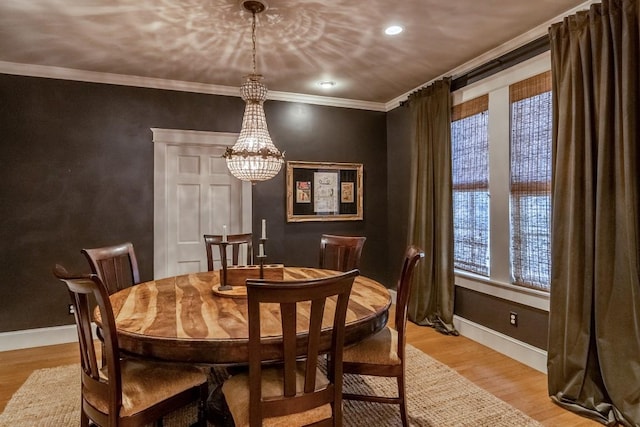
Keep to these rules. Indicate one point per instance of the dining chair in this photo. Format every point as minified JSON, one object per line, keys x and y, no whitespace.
{"x":233,"y":240}
{"x":340,"y":253}
{"x":124,"y":391}
{"x":383,"y":354}
{"x":294,"y":392}
{"x":116,"y":266}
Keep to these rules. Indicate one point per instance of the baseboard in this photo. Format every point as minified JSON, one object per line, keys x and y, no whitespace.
{"x":522,"y":352}
{"x":518,"y":350}
{"x":16,"y":340}
{"x":394,"y":295}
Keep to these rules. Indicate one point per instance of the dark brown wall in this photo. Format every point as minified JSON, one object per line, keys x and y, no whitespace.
{"x":399,"y":172}
{"x":316,"y":133}
{"x":479,"y":308}
{"x":493,"y":313}
{"x":77,"y":171}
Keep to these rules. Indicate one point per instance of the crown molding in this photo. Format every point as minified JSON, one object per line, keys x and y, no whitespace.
{"x":326,"y":100}
{"x":62,"y":73}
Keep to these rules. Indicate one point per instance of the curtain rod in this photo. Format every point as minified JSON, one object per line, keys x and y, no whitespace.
{"x":509,"y":59}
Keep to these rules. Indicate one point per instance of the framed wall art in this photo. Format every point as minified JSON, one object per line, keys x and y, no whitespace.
{"x":324,"y":191}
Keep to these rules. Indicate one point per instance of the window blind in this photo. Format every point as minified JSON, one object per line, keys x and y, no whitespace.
{"x":470,"y":169}
{"x":530,"y":181}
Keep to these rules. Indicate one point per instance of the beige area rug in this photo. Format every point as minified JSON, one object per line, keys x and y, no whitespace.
{"x":437,"y":397}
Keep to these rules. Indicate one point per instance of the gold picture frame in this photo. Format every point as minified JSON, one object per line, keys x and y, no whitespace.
{"x":322,"y":191}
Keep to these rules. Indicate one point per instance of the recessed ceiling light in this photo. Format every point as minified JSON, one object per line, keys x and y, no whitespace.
{"x":327,"y":84}
{"x":393,"y":30}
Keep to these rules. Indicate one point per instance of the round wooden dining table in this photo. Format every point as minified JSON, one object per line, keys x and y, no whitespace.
{"x":182,"y":319}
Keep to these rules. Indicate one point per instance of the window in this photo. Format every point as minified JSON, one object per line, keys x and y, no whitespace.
{"x":470,"y":169}
{"x":530,"y":182}
{"x":501,"y":166}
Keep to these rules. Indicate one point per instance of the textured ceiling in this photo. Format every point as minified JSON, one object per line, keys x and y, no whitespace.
{"x":300,"y":42}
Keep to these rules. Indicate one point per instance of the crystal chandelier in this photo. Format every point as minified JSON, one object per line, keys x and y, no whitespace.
{"x":254,"y":157}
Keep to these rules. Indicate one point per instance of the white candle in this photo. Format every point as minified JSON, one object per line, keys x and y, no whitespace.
{"x":224,"y":233}
{"x":261,"y":250}
{"x":264,"y":228}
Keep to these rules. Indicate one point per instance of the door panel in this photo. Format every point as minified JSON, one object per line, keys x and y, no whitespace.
{"x":194,"y":195}
{"x":206,"y":198}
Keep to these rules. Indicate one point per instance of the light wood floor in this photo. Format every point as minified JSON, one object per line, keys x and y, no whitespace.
{"x":511,"y":381}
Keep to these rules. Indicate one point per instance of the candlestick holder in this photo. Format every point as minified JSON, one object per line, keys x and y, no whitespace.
{"x":262,"y":255}
{"x":223,"y":272}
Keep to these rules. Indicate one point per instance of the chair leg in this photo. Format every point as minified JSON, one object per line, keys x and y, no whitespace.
{"x":331,"y":374}
{"x":84,"y":420}
{"x":403,"y":401}
{"x":103,"y":354}
{"x":202,"y":405}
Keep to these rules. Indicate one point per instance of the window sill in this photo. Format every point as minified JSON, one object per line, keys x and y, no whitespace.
{"x":521,"y":295}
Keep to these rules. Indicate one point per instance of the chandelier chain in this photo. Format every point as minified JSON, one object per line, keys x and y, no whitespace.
{"x":253,"y":40}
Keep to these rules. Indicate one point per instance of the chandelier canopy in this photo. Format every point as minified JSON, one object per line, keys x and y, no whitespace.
{"x":254,"y":157}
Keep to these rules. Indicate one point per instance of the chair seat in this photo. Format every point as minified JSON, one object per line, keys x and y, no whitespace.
{"x":378,"y":349}
{"x":236,"y":393}
{"x":146,"y":383}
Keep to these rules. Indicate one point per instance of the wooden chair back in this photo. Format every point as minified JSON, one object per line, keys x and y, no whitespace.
{"x":340,"y":253}
{"x":233,"y":240}
{"x":412,"y":255}
{"x":116,"y":266}
{"x":103,"y":381}
{"x":81,"y":290}
{"x":383,"y":355}
{"x":291,"y":296}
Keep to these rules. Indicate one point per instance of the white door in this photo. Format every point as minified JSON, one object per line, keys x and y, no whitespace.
{"x":197,"y":196}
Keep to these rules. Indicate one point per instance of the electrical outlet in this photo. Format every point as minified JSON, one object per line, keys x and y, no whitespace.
{"x":513,"y":318}
{"x":71,"y":310}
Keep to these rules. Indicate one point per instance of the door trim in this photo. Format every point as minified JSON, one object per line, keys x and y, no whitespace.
{"x":162,"y":140}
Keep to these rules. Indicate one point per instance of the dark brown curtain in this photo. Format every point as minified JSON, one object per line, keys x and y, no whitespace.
{"x":594,"y":335}
{"x":431,"y":211}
